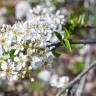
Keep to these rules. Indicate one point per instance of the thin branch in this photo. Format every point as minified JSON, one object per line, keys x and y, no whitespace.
{"x":88,"y":27}
{"x":91,"y":41}
{"x":91,"y":66}
{"x":69,"y":93}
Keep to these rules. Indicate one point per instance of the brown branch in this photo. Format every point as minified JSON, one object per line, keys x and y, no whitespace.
{"x":91,"y":66}
{"x":92,"y":41}
{"x":88,"y":27}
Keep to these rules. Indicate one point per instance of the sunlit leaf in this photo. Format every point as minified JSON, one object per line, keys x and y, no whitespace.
{"x":56,"y":52}
{"x":66,"y":33}
{"x":67,"y":44}
{"x":81,"y":20}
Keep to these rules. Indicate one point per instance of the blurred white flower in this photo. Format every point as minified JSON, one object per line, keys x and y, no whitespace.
{"x":44,"y":75}
{"x":63,"y":81}
{"x":19,"y":67}
{"x":4,"y":65}
{"x":54,"y":80}
{"x":13,"y":76}
{"x":21,"y":9}
{"x":59,"y":82}
{"x":36,"y":62}
{"x":3,"y":74}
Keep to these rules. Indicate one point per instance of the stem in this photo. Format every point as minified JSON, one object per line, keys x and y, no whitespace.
{"x":91,"y":66}
{"x":91,"y":41}
{"x":69,"y":93}
{"x":88,"y":27}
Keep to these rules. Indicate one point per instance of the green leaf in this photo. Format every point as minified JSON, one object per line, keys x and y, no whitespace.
{"x":76,"y":66}
{"x":66,"y":33}
{"x":55,"y":52}
{"x":72,"y":15}
{"x":26,"y":44}
{"x":11,"y":52}
{"x":69,"y":26}
{"x":69,"y":23}
{"x":5,"y":52}
{"x":67,"y":44}
{"x":9,"y":8}
{"x":33,"y":86}
{"x":94,"y":20}
{"x":81,"y":20}
{"x":58,"y":35}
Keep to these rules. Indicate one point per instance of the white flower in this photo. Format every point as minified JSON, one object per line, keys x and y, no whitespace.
{"x":13,"y":76}
{"x":63,"y":81}
{"x":0,"y":51}
{"x":4,"y":65}
{"x":19,"y":67}
{"x":29,"y":51}
{"x":12,"y":66}
{"x":16,"y":59}
{"x":54,"y":80}
{"x":22,"y":8}
{"x":59,"y":82}
{"x":27,"y":41}
{"x":3,"y":75}
{"x":16,"y":51}
{"x":36,"y":62}
{"x":44,"y":75}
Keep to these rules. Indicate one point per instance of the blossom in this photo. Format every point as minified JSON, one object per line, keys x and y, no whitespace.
{"x":24,"y":46}
{"x":44,"y":75}
{"x":54,"y":80}
{"x":4,"y":65}
{"x":59,"y":82}
{"x":21,"y":9}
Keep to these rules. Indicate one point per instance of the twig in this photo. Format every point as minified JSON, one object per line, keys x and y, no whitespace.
{"x":88,"y":27}
{"x":91,"y":66}
{"x":92,"y":41}
{"x":69,"y":93}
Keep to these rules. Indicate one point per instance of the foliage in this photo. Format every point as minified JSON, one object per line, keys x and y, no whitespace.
{"x":70,"y":27}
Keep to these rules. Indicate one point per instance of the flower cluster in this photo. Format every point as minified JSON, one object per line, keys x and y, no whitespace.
{"x":23,"y":46}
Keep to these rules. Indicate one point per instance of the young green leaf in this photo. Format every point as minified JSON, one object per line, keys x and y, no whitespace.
{"x":66,"y":33}
{"x":56,"y":52}
{"x":9,"y":8}
{"x":58,"y":35}
{"x":67,"y":44}
{"x":81,"y":20}
{"x":11,"y":52}
{"x":5,"y":52}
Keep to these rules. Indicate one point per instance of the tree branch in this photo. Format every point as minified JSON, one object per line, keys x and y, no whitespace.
{"x":88,"y":27}
{"x":92,"y":41}
{"x":91,"y":66}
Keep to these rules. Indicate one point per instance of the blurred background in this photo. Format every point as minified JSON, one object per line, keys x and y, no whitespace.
{"x":68,"y":64}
